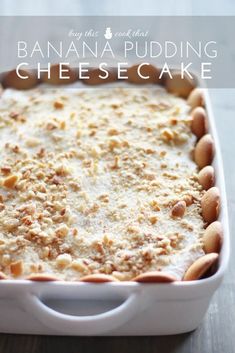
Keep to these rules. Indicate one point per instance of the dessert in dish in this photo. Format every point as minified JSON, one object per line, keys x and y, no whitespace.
{"x":104,"y":184}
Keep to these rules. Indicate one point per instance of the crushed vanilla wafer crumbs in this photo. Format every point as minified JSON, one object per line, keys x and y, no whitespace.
{"x":97,"y":181}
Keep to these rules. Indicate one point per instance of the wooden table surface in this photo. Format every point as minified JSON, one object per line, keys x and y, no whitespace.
{"x":217,"y":332}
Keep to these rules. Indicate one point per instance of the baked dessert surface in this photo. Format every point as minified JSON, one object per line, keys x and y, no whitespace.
{"x":97,"y":181}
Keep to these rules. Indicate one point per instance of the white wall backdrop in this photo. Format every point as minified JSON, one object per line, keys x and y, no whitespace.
{"x":117,"y":7}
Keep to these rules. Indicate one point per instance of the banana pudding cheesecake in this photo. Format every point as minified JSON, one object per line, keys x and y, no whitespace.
{"x":97,"y":181}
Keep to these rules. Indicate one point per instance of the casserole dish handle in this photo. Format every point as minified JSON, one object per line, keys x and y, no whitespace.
{"x":83,"y":325}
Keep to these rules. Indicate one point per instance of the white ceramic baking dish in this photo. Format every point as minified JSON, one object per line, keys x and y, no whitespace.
{"x":130,"y":308}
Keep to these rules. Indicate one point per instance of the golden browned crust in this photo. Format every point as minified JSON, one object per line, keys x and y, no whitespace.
{"x":211,"y":205}
{"x":204,"y":151}
{"x":98,"y":278}
{"x":155,"y":277}
{"x":55,"y":78}
{"x":206,"y":177}
{"x":200,"y":267}
{"x":145,"y":70}
{"x":12,"y":80}
{"x":199,"y":122}
{"x":212,"y":238}
{"x":42,"y":277}
{"x":181,"y":87}
{"x":196,"y":98}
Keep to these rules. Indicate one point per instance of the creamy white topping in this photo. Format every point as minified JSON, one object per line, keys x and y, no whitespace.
{"x":89,"y":178}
